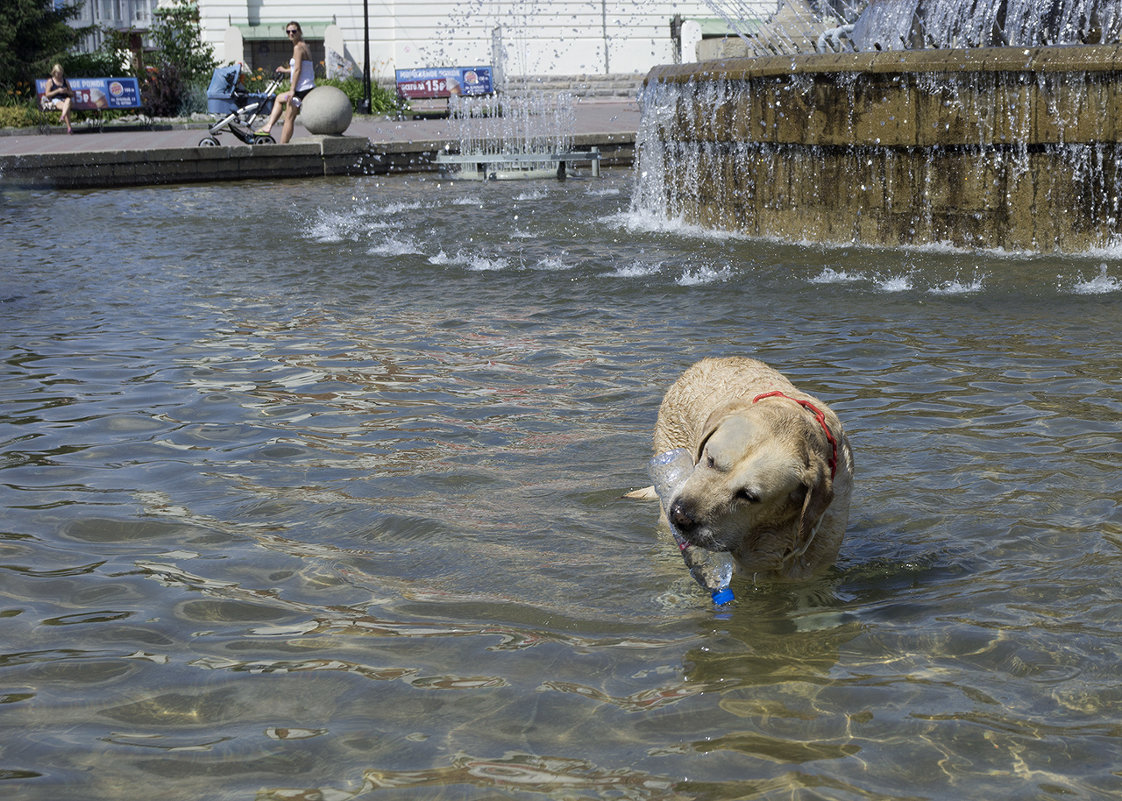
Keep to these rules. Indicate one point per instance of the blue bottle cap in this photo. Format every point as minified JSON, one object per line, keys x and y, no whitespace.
{"x":722,"y":596}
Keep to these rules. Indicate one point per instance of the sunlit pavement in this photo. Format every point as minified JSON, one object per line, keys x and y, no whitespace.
{"x":615,"y":116}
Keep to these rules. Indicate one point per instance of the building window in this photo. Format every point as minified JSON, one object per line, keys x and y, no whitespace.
{"x":268,"y":54}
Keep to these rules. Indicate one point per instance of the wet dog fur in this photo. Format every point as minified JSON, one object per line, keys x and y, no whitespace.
{"x":768,"y":484}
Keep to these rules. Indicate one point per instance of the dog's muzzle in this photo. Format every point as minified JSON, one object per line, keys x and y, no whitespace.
{"x":683,"y":516}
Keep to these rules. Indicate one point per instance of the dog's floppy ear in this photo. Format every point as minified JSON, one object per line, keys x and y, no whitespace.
{"x":707,"y":431}
{"x":819,"y":488}
{"x":712,"y":423}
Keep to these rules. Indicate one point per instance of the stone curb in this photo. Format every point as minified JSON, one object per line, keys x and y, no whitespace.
{"x":312,"y":156}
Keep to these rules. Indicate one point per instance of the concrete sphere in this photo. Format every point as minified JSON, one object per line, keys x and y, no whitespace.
{"x":326,"y":110}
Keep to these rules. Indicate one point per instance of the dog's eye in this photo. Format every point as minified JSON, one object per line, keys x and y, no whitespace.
{"x":710,"y":462}
{"x":747,"y":495}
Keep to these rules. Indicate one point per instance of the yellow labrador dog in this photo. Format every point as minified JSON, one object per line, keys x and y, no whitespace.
{"x":773,"y":469}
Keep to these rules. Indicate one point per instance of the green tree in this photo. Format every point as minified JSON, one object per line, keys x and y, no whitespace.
{"x":108,"y":60}
{"x":33,"y":36}
{"x":181,"y":64}
{"x":177,"y":38}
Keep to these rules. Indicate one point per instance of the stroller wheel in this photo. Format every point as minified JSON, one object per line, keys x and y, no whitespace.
{"x":264,"y":139}
{"x":208,"y":141}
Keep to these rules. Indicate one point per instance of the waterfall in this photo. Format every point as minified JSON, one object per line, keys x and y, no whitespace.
{"x":1019,"y":150}
{"x":802,"y":26}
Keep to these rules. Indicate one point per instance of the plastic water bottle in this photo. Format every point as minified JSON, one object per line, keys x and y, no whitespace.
{"x":711,"y":569}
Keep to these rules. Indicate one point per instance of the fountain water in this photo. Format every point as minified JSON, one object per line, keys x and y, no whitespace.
{"x":521,"y":135}
{"x":804,"y":26}
{"x":1010,"y":147}
{"x":912,"y":24}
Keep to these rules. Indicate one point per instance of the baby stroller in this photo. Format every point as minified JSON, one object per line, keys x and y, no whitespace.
{"x":237,"y":107}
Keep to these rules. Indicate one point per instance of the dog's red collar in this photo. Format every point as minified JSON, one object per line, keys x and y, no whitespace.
{"x":818,"y":415}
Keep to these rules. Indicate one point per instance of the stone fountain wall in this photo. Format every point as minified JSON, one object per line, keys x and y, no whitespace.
{"x":1011,"y":148}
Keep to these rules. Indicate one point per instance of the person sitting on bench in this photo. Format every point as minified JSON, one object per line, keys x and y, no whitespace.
{"x":59,"y":96}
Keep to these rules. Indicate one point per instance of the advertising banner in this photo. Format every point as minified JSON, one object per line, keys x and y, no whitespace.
{"x":431,"y":82}
{"x":100,"y":93}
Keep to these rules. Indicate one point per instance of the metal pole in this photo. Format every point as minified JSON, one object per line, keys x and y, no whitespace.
{"x":604,"y":30}
{"x":365,"y":107}
{"x":498,"y":61}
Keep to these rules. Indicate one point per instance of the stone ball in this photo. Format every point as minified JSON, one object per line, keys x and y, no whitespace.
{"x":326,"y":110}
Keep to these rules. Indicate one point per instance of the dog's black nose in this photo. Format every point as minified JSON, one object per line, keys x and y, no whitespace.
{"x":681,"y":514}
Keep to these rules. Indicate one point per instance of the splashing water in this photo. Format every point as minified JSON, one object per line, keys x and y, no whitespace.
{"x":707,"y":145}
{"x":522,"y":123}
{"x":960,"y":286}
{"x":522,"y":134}
{"x":1101,"y":284}
{"x":832,"y":276}
{"x":797,"y":26}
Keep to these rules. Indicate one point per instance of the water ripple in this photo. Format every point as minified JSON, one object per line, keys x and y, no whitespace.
{"x":347,"y":518}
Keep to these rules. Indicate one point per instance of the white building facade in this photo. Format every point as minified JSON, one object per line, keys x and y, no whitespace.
{"x":521,"y":38}
{"x":133,"y":16}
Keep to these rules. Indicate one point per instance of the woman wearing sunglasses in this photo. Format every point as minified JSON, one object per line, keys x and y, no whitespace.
{"x":302,"y":76}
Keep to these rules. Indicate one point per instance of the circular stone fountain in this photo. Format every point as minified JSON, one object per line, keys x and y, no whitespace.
{"x":1016,"y":148}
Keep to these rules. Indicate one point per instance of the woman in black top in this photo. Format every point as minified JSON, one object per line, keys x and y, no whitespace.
{"x":59,"y":95}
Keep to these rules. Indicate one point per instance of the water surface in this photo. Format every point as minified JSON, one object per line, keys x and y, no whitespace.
{"x":313,"y":490}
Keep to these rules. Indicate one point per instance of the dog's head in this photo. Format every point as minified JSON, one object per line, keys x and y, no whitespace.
{"x":761,"y":483}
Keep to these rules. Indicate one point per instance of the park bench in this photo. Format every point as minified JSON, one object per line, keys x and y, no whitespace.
{"x":98,"y":94}
{"x":441,"y":84}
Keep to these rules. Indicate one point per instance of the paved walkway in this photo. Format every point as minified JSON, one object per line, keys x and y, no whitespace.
{"x":591,"y":117}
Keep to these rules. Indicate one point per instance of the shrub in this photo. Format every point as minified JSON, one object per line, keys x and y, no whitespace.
{"x":381,"y":100}
{"x":20,"y":93}
{"x":19,"y":109}
{"x":161,"y":93}
{"x":193,"y":99}
{"x":258,"y":80}
{"x":25,"y":116}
